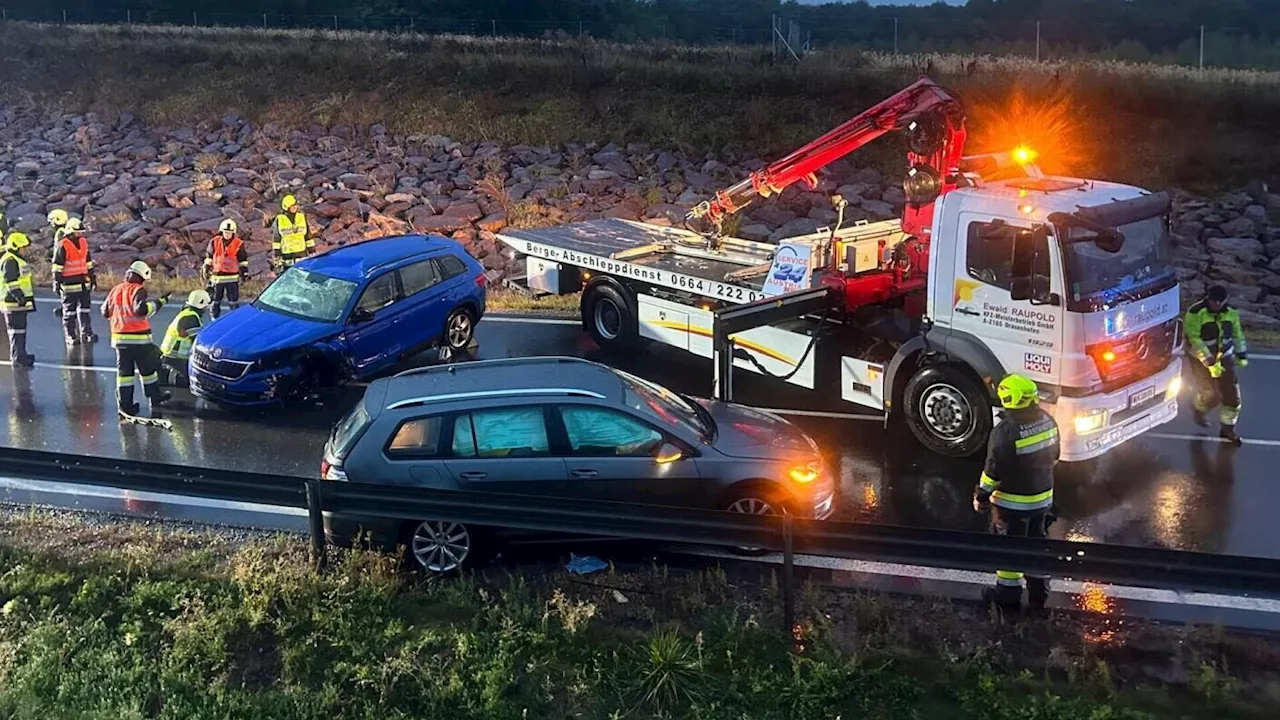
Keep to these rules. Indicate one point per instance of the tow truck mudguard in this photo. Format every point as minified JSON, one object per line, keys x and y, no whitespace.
{"x":953,"y":346}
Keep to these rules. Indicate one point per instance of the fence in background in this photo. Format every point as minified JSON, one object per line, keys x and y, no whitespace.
{"x":1150,"y":567}
{"x":1217,"y":46}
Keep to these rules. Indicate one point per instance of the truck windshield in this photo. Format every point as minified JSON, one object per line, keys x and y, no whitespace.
{"x":1097,"y":279}
{"x":662,"y":404}
{"x":307,"y":295}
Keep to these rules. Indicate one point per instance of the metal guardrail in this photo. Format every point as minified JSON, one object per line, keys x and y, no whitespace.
{"x":1153,"y":567}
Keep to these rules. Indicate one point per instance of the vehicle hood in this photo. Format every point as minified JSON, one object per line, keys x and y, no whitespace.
{"x":248,"y":333}
{"x":747,"y":433}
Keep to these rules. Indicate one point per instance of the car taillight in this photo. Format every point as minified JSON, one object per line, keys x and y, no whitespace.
{"x":481,"y":281}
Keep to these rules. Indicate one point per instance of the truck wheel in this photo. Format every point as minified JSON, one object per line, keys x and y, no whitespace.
{"x":948,"y":411}
{"x":609,"y":318}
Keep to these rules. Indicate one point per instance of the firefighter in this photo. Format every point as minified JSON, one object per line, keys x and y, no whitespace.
{"x":17,"y":298}
{"x":74,"y":278}
{"x":175,"y":349}
{"x":290,"y":241}
{"x":1017,"y":483}
{"x":1213,"y":328}
{"x":57,"y":218}
{"x":226,"y":264}
{"x":129,"y":311}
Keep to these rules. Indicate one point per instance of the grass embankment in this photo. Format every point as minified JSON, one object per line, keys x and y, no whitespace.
{"x":121,"y":620}
{"x":1155,"y":126}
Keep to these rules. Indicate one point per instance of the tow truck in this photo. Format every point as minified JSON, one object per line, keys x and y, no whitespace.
{"x":993,"y":268}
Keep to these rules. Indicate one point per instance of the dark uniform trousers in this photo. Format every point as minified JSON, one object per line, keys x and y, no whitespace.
{"x":16,"y":323}
{"x":228,"y":290}
{"x":1018,"y":523}
{"x":76,"y":312}
{"x":144,"y":359}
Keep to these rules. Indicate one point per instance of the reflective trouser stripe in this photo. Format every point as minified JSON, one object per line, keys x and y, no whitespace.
{"x":988,"y":483}
{"x":124,"y":380}
{"x":150,"y":378}
{"x":131,"y":339}
{"x":1009,"y":578}
{"x":1010,"y":501}
{"x":13,"y":332}
{"x":224,"y":279}
{"x":1229,"y":415}
{"x":1039,"y":441}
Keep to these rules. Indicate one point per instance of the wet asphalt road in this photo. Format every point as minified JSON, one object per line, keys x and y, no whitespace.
{"x":1171,"y":489}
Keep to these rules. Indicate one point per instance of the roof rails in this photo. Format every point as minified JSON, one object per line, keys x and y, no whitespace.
{"x":481,"y":394}
{"x":453,"y":367}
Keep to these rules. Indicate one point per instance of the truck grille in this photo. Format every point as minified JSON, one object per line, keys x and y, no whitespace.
{"x":225,"y":369}
{"x":1137,"y":356}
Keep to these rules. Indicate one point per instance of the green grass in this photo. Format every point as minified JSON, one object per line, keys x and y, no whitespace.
{"x":1150,"y":125}
{"x":126,"y":621}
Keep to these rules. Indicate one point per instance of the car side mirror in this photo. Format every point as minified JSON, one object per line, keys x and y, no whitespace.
{"x":1026,"y":283}
{"x":668,"y":453}
{"x":361,"y":315}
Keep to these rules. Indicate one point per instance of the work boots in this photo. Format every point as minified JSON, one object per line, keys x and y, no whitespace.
{"x":1228,"y":433}
{"x":1199,"y":417}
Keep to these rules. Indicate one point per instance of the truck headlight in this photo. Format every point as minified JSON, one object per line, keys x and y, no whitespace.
{"x":1175,"y":387}
{"x":1090,"y":421}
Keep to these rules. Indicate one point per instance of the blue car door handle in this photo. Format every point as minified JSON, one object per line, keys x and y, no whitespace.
{"x":474,"y":475}
{"x":583,"y":473}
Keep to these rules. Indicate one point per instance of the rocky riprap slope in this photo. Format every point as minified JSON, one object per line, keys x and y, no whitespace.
{"x":159,"y":193}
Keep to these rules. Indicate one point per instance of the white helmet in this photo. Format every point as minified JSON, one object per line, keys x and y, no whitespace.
{"x":73,"y":225}
{"x":199,"y":299}
{"x":141,"y":269}
{"x":227,"y":225}
{"x":57,"y":217}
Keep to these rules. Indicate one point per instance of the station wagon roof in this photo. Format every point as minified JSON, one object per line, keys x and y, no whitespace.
{"x":357,"y":261}
{"x":530,"y":376}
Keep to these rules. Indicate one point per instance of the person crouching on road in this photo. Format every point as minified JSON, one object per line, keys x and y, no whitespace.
{"x":74,"y":279}
{"x":129,"y":311}
{"x":1213,"y":329}
{"x":290,"y":241}
{"x":226,"y":264}
{"x":17,"y":298}
{"x":1017,"y":483}
{"x":175,"y":348}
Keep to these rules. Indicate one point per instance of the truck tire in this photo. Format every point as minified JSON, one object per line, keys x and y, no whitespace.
{"x":948,"y":410}
{"x":610,"y":319}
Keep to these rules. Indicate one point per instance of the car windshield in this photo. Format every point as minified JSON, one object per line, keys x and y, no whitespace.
{"x":1142,"y":267}
{"x":662,"y":404}
{"x":307,"y":295}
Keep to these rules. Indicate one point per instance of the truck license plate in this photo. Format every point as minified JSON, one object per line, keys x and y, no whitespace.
{"x":1142,"y":396}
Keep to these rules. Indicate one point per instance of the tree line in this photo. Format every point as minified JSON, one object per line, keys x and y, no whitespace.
{"x":1237,"y":32}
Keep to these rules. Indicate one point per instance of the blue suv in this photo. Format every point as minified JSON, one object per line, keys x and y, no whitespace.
{"x":345,"y":315}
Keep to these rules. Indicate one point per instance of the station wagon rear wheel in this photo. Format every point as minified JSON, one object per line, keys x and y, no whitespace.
{"x":441,"y":546}
{"x":459,"y":329}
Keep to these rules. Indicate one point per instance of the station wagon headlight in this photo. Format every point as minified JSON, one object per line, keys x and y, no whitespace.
{"x":805,"y":474}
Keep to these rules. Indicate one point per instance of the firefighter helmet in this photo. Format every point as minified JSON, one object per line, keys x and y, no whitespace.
{"x":17,"y":241}
{"x":73,"y":225}
{"x":199,"y":299}
{"x":227,"y":225}
{"x":1017,"y":392}
{"x":141,"y":269}
{"x":57,"y":217}
{"x":287,"y":202}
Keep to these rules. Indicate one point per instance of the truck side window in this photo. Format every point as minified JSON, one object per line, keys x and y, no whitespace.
{"x":990,"y":253}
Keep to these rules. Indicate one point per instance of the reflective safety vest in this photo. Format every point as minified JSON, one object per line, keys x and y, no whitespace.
{"x":226,"y":259}
{"x":1213,"y":336}
{"x":127,"y":326}
{"x":1023,"y":449}
{"x":75,"y":262}
{"x":293,"y":235}
{"x":23,"y":285}
{"x":174,"y":345}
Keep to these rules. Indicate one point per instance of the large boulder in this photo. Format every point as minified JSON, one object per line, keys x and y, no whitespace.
{"x":1244,"y":250}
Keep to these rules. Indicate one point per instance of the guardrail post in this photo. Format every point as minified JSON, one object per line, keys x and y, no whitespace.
{"x":315,"y":517}
{"x":788,"y":575}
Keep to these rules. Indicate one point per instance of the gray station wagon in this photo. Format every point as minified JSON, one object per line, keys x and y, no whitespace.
{"x":563,"y":427}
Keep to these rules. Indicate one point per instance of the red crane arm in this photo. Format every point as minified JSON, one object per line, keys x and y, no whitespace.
{"x":895,"y":113}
